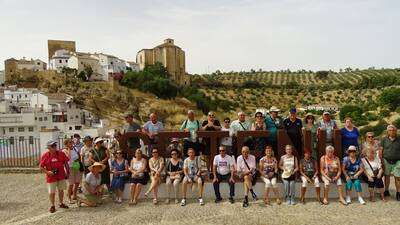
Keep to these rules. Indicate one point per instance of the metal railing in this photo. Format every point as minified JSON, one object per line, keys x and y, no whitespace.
{"x":19,"y":153}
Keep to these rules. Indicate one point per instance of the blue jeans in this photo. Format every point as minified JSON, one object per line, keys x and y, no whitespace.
{"x":356,"y":183}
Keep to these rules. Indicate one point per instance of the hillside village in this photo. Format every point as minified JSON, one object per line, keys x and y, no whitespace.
{"x":98,"y":85}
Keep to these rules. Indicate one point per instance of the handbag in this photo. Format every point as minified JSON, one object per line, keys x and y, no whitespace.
{"x":81,"y":167}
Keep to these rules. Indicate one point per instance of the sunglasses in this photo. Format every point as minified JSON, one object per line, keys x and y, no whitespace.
{"x":154,"y":152}
{"x":370,"y":136}
{"x":227,"y":121}
{"x":173,"y":153}
{"x":119,"y":153}
{"x":211,"y":115}
{"x":258,"y":116}
{"x":221,"y":150}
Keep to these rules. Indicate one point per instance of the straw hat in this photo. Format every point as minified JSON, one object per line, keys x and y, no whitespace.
{"x":97,"y":164}
{"x":274,"y":109}
{"x":97,"y":140}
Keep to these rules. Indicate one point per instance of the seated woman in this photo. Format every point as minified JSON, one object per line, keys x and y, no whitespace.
{"x":156,"y":165}
{"x":330,"y":173}
{"x":119,"y":169}
{"x":246,"y":170}
{"x":192,"y":168}
{"x":138,"y":178}
{"x":373,"y":170}
{"x":269,"y":170}
{"x":174,"y":168}
{"x":92,"y":187}
{"x":309,"y":175}
{"x":290,"y":166}
{"x":352,"y":170}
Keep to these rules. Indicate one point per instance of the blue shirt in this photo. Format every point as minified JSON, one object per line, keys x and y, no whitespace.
{"x":272,"y":126}
{"x":349,"y":138}
{"x":352,"y":168}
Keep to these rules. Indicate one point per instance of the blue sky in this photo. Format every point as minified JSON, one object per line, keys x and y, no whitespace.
{"x":225,"y":35}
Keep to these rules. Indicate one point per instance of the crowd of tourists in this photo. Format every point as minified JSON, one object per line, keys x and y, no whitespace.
{"x":94,"y":169}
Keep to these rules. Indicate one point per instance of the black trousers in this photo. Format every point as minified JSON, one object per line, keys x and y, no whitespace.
{"x":224,"y":178}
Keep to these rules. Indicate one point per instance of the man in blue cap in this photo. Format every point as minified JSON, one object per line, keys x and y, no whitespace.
{"x":293,"y":127}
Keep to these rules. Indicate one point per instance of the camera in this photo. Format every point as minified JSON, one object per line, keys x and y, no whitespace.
{"x":55,"y":171}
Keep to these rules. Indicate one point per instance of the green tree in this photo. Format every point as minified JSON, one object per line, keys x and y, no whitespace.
{"x":390,"y":98}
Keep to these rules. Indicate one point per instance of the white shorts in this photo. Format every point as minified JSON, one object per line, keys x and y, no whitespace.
{"x":170,"y":181}
{"x":305,"y":181}
{"x":196,"y":179}
{"x":269,"y":182}
{"x":61,"y":185}
{"x":327,"y":182}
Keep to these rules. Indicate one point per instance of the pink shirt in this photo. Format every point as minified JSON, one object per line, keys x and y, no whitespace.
{"x":241,"y":165}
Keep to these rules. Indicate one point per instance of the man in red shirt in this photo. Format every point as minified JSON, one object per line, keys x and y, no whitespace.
{"x":52,"y":163}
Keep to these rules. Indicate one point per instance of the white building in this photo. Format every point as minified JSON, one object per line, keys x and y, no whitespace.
{"x":25,"y":113}
{"x":2,"y":74}
{"x":109,"y":65}
{"x":59,"y":60}
{"x":133,"y":65}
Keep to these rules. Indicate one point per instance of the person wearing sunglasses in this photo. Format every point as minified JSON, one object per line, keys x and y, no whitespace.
{"x":259,"y":124}
{"x":52,"y":163}
{"x":226,"y":142}
{"x":156,"y":166}
{"x":174,"y":169}
{"x":119,"y":169}
{"x":192,"y":168}
{"x":223,"y":170}
{"x":211,"y":124}
{"x":371,"y":142}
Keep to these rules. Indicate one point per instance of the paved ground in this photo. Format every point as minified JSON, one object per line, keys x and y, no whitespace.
{"x":23,"y":200}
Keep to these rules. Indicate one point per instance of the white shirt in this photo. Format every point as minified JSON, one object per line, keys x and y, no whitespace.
{"x":241,"y":165}
{"x":227,"y":141}
{"x":224,"y":164}
{"x":92,"y":181}
{"x":375,"y":164}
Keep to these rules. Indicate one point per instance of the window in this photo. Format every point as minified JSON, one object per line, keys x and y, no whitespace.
{"x":77,"y":116}
{"x":45,"y":118}
{"x":26,"y":96}
{"x":31,"y":140}
{"x":66,"y":60}
{"x":55,"y":127}
{"x":78,"y":127}
{"x":21,"y":138}
{"x":11,"y":140}
{"x":38,"y":63}
{"x":11,"y":129}
{"x":12,"y":96}
{"x":40,"y":119}
{"x":30,"y":129}
{"x":60,"y":61}
{"x":35,"y":118}
{"x":70,"y":128}
{"x":43,"y":127}
{"x":21,"y":129}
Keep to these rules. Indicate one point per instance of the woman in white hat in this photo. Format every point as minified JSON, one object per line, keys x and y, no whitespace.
{"x":101,"y":154}
{"x":352,"y":169}
{"x":290,"y":166}
{"x":92,"y":187}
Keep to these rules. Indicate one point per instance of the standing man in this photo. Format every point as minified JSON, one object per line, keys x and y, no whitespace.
{"x":391,"y":159}
{"x":273,"y":122}
{"x":77,"y":142}
{"x":328,"y":125}
{"x":52,"y":163}
{"x":211,"y":124}
{"x":133,"y":143}
{"x":241,"y":125}
{"x":152,"y":128}
{"x":227,"y":141}
{"x":293,"y":127}
{"x":191,"y":125}
{"x":223,"y":170}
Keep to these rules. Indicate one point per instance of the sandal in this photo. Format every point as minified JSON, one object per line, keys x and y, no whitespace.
{"x":155,"y":201}
{"x":62,"y":205}
{"x":278,"y":201}
{"x":266,"y":201}
{"x":52,"y":209}
{"x":325,"y":202}
{"x":343,"y":202}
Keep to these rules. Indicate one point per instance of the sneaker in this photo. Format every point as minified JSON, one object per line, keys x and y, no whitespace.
{"x":288,"y":202}
{"x":245,"y":204}
{"x":183,"y":202}
{"x":386,"y":193}
{"x":167,"y":201}
{"x":231,"y":200}
{"x":348,"y":199}
{"x":52,"y":209}
{"x":361,"y":201}
{"x":254,"y":196}
{"x":218,"y":200}
{"x":293,"y":202}
{"x":201,"y":202}
{"x":176,"y":201}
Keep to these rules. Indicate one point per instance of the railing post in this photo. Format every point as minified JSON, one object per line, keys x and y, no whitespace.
{"x":241,"y":135}
{"x":165,"y":135}
{"x":213,"y":136}
{"x":337,"y":143}
{"x":321,"y":143}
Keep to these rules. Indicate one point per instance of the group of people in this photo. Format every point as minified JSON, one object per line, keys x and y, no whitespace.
{"x":186,"y":166}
